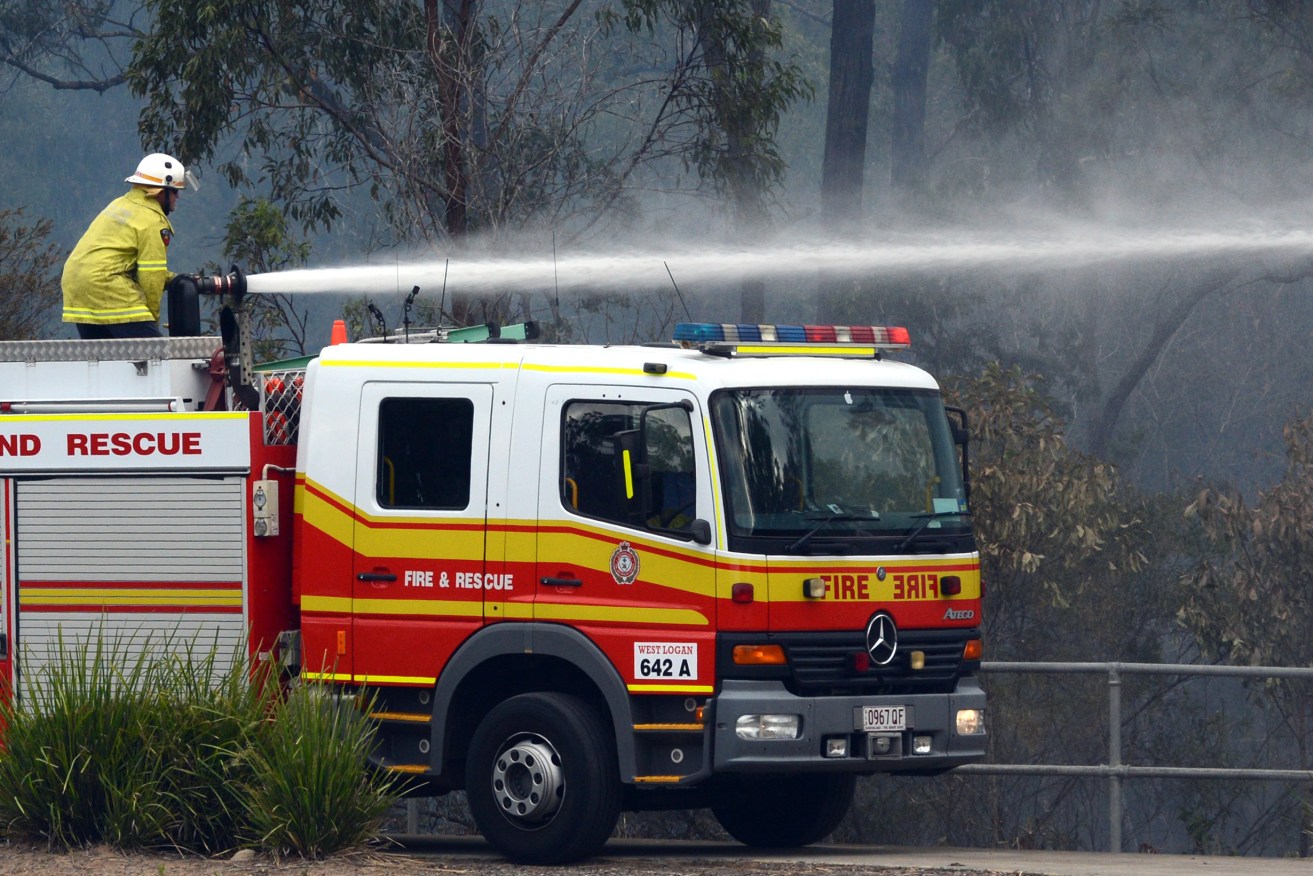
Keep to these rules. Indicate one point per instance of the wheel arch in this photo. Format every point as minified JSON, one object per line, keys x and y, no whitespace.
{"x":502,"y":660}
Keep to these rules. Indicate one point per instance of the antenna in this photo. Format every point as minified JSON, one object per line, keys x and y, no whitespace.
{"x":442,"y":302}
{"x":556,"y":280}
{"x":405,"y":313}
{"x":677,"y":292}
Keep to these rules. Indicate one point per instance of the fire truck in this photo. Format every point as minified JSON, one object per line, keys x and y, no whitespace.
{"x":734,"y":571}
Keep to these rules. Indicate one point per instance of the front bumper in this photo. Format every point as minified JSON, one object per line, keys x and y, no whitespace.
{"x":932,"y":715}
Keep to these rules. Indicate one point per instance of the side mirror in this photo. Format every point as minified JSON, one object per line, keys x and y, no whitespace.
{"x":957,"y":422}
{"x":701,"y":531}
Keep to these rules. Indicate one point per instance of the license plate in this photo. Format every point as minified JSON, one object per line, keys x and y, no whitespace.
{"x":877,"y":718}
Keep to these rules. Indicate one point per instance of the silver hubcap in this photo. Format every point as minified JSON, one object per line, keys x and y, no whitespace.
{"x":527,"y":781}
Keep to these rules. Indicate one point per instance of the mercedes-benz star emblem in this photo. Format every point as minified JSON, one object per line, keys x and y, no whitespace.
{"x":882,"y":639}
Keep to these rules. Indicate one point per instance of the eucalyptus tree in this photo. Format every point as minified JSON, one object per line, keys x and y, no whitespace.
{"x":448,"y":116}
{"x":29,"y":286}
{"x":1248,"y":598}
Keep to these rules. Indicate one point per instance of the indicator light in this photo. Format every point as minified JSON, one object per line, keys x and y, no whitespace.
{"x":759,"y":655}
{"x":836,"y":746}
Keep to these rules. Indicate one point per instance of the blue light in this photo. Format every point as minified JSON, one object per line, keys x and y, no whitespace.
{"x":699,"y":332}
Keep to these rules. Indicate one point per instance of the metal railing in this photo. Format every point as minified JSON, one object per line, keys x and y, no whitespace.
{"x":1114,"y":770}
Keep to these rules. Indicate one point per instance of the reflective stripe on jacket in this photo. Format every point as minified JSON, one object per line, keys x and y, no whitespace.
{"x":117,"y":271}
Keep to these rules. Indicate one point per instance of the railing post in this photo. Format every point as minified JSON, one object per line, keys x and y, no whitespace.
{"x":1114,"y":758}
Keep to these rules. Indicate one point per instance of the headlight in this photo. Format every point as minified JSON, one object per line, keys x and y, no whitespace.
{"x":970,"y":722}
{"x":768,"y":726}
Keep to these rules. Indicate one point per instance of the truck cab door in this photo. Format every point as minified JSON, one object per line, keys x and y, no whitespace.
{"x":619,"y":554}
{"x":420,"y":527}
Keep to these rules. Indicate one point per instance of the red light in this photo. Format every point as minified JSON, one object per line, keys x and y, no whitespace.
{"x":861,"y":661}
{"x":950,"y":585}
{"x":862,"y":334}
{"x":742,"y":592}
{"x":821,"y":333}
{"x":899,"y":335}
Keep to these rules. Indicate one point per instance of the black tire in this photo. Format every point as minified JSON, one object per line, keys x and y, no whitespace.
{"x":783,"y":811}
{"x":542,"y":779}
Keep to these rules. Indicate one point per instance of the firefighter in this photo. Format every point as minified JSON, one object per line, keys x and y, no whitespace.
{"x":114,"y":278}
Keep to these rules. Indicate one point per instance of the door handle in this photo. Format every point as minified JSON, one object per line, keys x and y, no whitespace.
{"x":376,"y":576}
{"x":562,"y":582}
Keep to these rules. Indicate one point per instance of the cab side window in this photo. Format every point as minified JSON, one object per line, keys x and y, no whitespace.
{"x":424,"y":453}
{"x":661,"y":492}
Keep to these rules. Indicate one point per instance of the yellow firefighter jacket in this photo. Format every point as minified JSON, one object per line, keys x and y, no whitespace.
{"x":117,"y":271}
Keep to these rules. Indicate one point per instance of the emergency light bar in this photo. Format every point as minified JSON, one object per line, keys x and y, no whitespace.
{"x":791,"y":340}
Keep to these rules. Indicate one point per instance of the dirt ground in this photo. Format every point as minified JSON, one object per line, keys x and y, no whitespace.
{"x":31,"y":861}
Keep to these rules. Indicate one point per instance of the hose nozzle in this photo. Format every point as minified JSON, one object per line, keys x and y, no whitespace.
{"x":233,"y":285}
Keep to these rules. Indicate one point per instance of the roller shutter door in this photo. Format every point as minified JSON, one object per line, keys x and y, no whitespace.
{"x":135,"y":564}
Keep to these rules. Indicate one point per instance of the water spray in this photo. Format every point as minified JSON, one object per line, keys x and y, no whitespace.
{"x":620,"y":270}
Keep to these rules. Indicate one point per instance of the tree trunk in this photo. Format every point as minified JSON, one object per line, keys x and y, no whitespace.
{"x":448,"y":44}
{"x":911,"y":69}
{"x":847,"y":116}
{"x":742,"y":187}
{"x":449,"y":31}
{"x":750,"y":208}
{"x":848,"y":111}
{"x":1101,"y":431}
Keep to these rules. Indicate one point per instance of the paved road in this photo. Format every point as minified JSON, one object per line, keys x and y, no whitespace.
{"x":1031,"y":863}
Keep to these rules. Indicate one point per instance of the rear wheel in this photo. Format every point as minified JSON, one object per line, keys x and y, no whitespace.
{"x":783,"y":811}
{"x":542,"y":779}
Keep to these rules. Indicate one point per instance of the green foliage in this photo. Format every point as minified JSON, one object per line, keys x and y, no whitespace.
{"x":272,"y":72}
{"x":135,"y":755}
{"x":737,"y":105}
{"x":171,"y":750}
{"x":29,"y":292}
{"x":1246,"y":600}
{"x":258,"y":239}
{"x":522,"y":112}
{"x":1051,"y":521}
{"x":310,"y":789}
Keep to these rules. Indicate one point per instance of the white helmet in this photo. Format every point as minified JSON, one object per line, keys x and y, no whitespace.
{"x":158,"y":170}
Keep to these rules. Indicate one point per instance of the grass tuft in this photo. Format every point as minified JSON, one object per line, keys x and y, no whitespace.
{"x":172,"y":749}
{"x":311,"y":790}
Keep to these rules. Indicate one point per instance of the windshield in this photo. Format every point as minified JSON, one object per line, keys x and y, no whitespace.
{"x":807,"y":466}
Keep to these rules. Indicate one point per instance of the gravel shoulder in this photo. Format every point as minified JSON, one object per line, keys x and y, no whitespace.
{"x":102,"y":861}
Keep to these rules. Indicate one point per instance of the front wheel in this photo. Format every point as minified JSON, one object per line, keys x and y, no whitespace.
{"x":542,"y":779}
{"x":783,"y":811}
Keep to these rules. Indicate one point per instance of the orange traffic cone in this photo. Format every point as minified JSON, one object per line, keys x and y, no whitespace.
{"x":339,"y":332}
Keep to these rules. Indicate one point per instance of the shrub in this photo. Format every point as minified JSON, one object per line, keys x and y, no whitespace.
{"x":169,"y":749}
{"x":135,"y":753}
{"x":310,"y":788}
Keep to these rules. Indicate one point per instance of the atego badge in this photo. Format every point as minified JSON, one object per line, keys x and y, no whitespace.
{"x":624,"y":564}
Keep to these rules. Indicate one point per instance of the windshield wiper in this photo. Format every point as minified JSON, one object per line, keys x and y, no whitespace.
{"x":922,"y":523}
{"x":837,"y":515}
